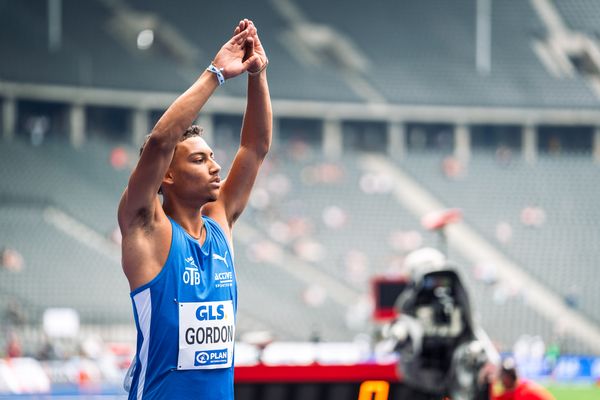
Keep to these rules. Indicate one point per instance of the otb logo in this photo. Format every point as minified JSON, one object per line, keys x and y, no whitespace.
{"x":191,"y":275}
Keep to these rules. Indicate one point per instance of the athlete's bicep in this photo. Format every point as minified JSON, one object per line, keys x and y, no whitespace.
{"x":236,"y":189}
{"x":145,"y":251}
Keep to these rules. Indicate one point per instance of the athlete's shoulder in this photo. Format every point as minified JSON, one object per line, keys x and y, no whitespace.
{"x":217,"y":226}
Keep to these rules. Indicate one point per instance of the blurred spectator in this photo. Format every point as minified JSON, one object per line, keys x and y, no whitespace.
{"x":358,"y":314}
{"x":309,"y":250}
{"x":572,"y":296}
{"x":279,"y":184}
{"x":280,"y":232}
{"x":405,"y":241}
{"x":324,"y":173}
{"x":260,"y":199}
{"x":504,"y":232}
{"x":48,"y":350}
{"x":533,"y":216}
{"x":371,"y":183}
{"x":299,"y":150}
{"x":554,"y":145}
{"x":551,"y":356}
{"x":515,"y":388}
{"x":300,"y":226}
{"x":37,"y":126}
{"x":504,"y":156}
{"x":395,"y":267}
{"x":444,"y":139}
{"x":334,"y":217}
{"x":14,"y":314}
{"x":13,"y":345}
{"x":119,"y":159}
{"x":503,"y":293}
{"x":417,"y":138}
{"x":314,"y":295}
{"x":486,"y":272}
{"x":453,"y":168}
{"x":263,"y":251}
{"x":357,"y":267}
{"x":11,"y":259}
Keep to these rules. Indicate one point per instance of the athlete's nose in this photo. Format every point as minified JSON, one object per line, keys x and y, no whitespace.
{"x":215,"y":168}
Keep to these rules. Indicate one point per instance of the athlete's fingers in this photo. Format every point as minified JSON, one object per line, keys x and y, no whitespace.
{"x":240,"y":38}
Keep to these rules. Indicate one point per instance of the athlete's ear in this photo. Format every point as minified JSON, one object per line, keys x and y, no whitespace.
{"x":168,"y":179}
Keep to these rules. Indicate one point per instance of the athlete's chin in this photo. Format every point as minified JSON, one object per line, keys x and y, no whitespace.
{"x":213,"y":196}
{"x":210,"y":196}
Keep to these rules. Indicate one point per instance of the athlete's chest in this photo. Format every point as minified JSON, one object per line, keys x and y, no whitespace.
{"x":204,"y":274}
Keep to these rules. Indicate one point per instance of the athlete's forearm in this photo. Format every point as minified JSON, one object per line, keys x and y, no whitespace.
{"x":258,"y":118}
{"x":184,"y":110}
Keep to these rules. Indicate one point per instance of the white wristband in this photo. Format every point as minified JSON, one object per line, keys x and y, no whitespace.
{"x":218,"y":72}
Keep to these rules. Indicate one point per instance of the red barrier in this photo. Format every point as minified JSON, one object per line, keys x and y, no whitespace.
{"x":316,"y":373}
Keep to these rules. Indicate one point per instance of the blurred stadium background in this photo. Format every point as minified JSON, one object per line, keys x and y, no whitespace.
{"x":384,"y":112}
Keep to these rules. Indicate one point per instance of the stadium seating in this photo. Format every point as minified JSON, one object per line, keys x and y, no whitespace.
{"x":309,"y":212}
{"x":431,"y":59}
{"x":77,"y":62}
{"x":426,"y":60}
{"x":580,"y":15}
{"x":59,"y":271}
{"x":561,"y":251}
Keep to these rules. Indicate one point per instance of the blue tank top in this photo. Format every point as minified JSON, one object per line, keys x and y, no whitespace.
{"x":185,"y":320}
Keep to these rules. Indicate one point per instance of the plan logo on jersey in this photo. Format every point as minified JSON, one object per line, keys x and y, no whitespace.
{"x":210,"y":357}
{"x":191,"y":275}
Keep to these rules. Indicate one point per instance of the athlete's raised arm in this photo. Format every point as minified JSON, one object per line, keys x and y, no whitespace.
{"x":255,"y":137}
{"x":139,"y":204}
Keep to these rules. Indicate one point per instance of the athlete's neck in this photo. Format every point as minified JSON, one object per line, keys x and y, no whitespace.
{"x":189,"y":218}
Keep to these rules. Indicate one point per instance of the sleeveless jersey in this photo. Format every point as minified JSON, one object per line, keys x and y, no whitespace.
{"x":185,"y":320}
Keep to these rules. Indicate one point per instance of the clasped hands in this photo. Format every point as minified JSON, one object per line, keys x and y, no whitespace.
{"x":242,"y":53}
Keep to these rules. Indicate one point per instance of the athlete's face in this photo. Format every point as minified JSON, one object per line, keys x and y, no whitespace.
{"x":193,"y":174}
{"x":507,"y":381}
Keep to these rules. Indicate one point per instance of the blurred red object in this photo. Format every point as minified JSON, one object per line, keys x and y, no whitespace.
{"x":437,"y":220}
{"x":13,"y":347}
{"x":119,"y":158}
{"x":11,"y":259}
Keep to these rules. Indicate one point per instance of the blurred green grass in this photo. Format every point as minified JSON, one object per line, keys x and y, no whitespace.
{"x":564,"y":392}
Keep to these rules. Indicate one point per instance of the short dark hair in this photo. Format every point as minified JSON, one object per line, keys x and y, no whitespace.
{"x":509,"y":368}
{"x":191,"y":131}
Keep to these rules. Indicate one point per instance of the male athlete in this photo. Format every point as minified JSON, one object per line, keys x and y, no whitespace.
{"x":177,"y":254}
{"x":516,"y":388}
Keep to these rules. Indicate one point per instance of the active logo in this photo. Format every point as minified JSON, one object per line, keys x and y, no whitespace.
{"x":191,"y":275}
{"x":223,"y":279}
{"x":210,"y":357}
